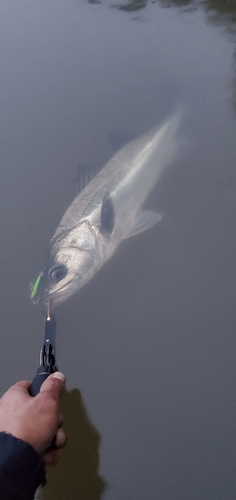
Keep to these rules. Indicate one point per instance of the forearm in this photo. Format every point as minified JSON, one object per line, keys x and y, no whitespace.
{"x":21,"y":469}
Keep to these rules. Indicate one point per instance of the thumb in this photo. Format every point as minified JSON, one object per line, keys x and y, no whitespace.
{"x":54,"y":384}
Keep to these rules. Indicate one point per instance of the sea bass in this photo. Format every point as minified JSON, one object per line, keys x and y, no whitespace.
{"x":107,"y":210}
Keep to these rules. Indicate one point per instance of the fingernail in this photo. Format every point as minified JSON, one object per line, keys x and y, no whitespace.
{"x":59,"y":375}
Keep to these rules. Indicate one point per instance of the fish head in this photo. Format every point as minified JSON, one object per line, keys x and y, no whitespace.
{"x":73,"y":259}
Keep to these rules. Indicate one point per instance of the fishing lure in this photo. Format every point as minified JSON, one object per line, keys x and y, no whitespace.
{"x":34,"y":289}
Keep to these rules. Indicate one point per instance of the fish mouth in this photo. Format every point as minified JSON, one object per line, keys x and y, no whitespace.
{"x":56,"y":298}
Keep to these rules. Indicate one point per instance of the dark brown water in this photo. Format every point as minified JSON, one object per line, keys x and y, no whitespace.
{"x":149,"y":345}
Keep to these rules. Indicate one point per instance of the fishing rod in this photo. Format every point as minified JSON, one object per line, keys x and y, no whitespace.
{"x":47,"y":360}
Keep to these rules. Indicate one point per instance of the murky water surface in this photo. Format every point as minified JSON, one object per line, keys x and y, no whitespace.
{"x":149,"y":345}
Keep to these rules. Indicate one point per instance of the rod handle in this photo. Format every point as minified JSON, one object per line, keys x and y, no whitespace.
{"x":42,"y":374}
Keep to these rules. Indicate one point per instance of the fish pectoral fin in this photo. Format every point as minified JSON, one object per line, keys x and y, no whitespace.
{"x":144,"y":220}
{"x":107,"y":215}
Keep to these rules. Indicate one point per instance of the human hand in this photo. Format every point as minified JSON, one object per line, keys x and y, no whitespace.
{"x":36,"y":420}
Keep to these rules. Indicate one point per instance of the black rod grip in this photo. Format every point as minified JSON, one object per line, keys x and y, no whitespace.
{"x":42,"y":374}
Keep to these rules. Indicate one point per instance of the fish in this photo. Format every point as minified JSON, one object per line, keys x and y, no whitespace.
{"x":107,"y":210}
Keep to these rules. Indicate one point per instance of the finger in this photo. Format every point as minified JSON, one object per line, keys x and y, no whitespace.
{"x":51,"y":458}
{"x":24,"y":385}
{"x":60,"y":439}
{"x":54,"y":384}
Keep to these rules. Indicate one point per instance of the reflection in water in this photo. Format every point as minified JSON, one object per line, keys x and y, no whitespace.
{"x":218,"y":9}
{"x":177,"y":3}
{"x":225,"y":7}
{"x":218,"y":12}
{"x":76,"y":476}
{"x":133,"y":5}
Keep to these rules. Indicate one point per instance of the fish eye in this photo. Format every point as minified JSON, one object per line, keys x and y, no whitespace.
{"x":57,"y":273}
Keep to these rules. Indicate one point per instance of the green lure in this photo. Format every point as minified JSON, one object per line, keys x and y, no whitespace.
{"x":34,"y":288}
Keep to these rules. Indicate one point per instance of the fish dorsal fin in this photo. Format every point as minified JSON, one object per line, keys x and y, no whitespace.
{"x":85,"y":173}
{"x":143,"y":220}
{"x":107,"y":215}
